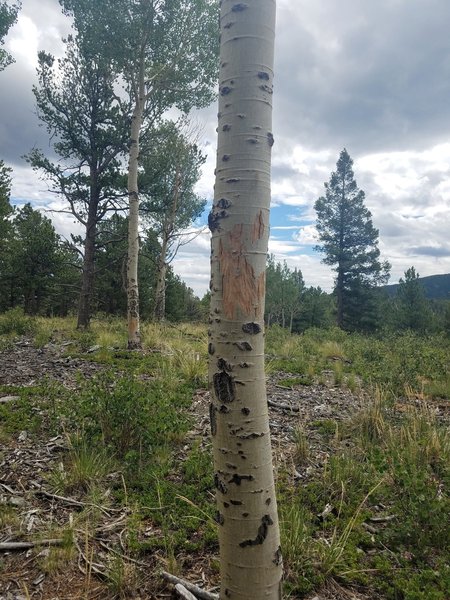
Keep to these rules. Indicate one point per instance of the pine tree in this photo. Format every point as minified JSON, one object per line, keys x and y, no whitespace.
{"x":77,"y":102}
{"x":350,"y":244}
{"x":35,"y":252}
{"x":413,"y":310}
{"x":8,"y":16}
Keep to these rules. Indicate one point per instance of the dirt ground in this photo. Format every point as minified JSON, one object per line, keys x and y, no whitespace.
{"x":26,"y":459}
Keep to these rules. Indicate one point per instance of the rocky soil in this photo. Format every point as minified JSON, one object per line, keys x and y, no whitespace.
{"x":26,"y":460}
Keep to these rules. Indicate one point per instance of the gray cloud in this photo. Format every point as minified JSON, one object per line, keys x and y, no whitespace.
{"x":372,"y":76}
{"x":41,"y":26}
{"x":434,"y":251}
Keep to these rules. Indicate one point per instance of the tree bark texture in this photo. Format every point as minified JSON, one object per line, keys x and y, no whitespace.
{"x":88,"y":273}
{"x":250,"y":556}
{"x":159,"y":311}
{"x":168,"y":229}
{"x":134,"y":336}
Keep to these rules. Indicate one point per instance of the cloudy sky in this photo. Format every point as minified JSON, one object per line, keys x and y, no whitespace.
{"x":373,"y":77}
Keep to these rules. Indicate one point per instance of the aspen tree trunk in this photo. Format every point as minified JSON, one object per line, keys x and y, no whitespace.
{"x":159,"y":312}
{"x":250,"y":556}
{"x":134,"y":336}
{"x":88,"y":273}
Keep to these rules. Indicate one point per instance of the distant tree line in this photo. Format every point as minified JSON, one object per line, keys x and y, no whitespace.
{"x":359,"y":302}
{"x":42,"y":273}
{"x":292,"y":305}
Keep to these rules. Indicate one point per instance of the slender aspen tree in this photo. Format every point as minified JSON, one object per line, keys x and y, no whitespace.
{"x":134,"y":336}
{"x":165,"y":54}
{"x":250,"y":555}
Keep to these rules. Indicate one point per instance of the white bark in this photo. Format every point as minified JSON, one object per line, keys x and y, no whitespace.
{"x":250,"y":554}
{"x":134,"y":336}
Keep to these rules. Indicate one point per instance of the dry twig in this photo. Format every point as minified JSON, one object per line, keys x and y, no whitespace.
{"x":194,"y":589}
{"x":8,"y":546}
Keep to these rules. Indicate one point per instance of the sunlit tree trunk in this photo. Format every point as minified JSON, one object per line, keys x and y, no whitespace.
{"x":250,"y":556}
{"x":134,"y":335}
{"x":88,"y":273}
{"x":159,"y":312}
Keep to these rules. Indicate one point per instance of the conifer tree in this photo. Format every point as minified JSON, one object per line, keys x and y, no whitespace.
{"x":350,"y":244}
{"x":76,"y":101}
{"x":8,"y":16}
{"x":413,"y":311}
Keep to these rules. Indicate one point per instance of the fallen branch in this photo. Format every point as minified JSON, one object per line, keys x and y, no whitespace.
{"x":8,"y":546}
{"x":73,"y":502}
{"x":10,"y":490}
{"x":96,"y":568}
{"x":194,"y":589}
{"x":7,"y":399}
{"x":369,"y":528}
{"x":382,"y":519}
{"x":184,"y":593}
{"x":283,"y":406}
{"x":139,"y":563}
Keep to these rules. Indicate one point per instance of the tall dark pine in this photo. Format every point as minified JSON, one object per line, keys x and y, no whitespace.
{"x":76,"y":100}
{"x":412,"y":306}
{"x":350,"y":244}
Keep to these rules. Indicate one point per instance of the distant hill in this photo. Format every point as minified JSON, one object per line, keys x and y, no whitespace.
{"x":436,"y":287}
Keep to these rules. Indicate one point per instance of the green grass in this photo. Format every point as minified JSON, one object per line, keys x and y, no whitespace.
{"x":129,"y":441}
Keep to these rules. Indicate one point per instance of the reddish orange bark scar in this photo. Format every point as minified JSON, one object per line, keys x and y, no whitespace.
{"x":241,"y":289}
{"x":258,"y":228}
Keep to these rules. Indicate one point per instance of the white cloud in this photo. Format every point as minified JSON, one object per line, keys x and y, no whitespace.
{"x":307,"y":235}
{"x":23,"y":42}
{"x":373,"y":77}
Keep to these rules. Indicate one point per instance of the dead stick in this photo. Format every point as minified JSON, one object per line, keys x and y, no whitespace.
{"x":7,"y":546}
{"x":124,"y":556}
{"x":194,"y":589}
{"x":283,"y":406}
{"x":95,"y":567}
{"x":382,"y":519}
{"x":73,"y":502}
{"x":184,"y":593}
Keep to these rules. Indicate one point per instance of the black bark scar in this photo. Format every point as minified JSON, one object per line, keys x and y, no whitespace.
{"x":250,"y":436}
{"x":237,"y":479}
{"x":213,"y":419}
{"x":219,"y":484}
{"x":239,"y":7}
{"x":214,"y":220}
{"x":224,"y":203}
{"x":263,"y":530}
{"x":244,"y":346}
{"x":224,"y":387}
{"x":251,"y":328}
{"x":223,"y":365}
{"x":278,"y":557}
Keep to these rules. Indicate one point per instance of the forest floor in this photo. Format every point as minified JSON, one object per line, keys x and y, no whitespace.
{"x":93,"y":556}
